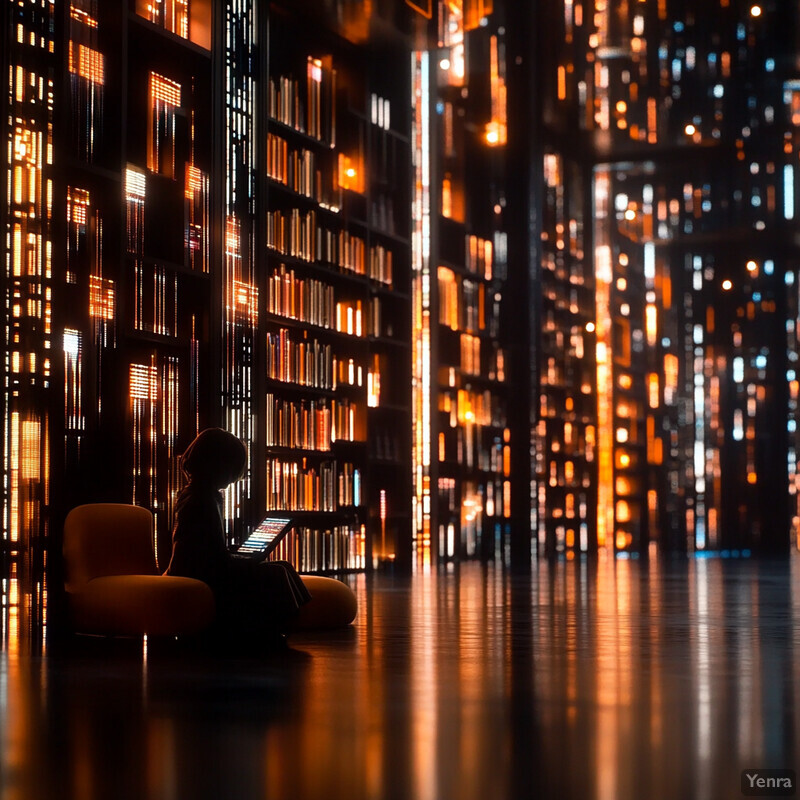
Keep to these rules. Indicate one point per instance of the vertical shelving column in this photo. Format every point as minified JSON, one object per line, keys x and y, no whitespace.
{"x":389,"y":388}
{"x":316,"y":366}
{"x":162,"y":283}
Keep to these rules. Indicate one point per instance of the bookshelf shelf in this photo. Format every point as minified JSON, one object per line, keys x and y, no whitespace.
{"x":336,"y":282}
{"x":389,"y":342}
{"x":321,"y":270}
{"x":295,"y":198}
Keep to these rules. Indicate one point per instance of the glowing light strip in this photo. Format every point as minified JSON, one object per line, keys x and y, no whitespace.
{"x":605,"y":375}
{"x":27,"y":230}
{"x":89,"y":63}
{"x":102,"y":302}
{"x":421,"y":296}
{"x":238,"y":269}
{"x":135,"y":184}
{"x":165,"y":90}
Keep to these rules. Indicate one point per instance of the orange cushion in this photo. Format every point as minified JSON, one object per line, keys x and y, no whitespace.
{"x":333,"y":604}
{"x":131,"y":605}
{"x":107,"y":539}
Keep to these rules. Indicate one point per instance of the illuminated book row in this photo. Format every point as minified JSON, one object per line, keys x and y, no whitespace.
{"x":297,"y":485}
{"x":306,"y":362}
{"x":312,"y":424}
{"x":324,"y":550}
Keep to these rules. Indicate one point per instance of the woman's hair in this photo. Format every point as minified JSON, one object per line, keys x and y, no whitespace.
{"x":216,"y":457}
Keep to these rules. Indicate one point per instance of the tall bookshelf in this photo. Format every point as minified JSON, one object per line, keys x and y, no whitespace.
{"x":389,"y":229}
{"x":334,"y":258}
{"x":133,"y":290}
{"x":463,"y":456}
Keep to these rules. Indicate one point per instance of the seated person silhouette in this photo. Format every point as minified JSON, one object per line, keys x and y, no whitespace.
{"x":254,"y":599}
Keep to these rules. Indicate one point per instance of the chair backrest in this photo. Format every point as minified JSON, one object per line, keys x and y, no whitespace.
{"x":107,"y":539}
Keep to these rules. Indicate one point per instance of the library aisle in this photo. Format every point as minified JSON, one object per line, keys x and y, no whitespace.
{"x":610,"y":680}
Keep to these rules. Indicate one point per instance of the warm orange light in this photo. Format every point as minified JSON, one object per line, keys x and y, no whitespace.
{"x":101,"y":298}
{"x":651,"y":324}
{"x":86,"y":62}
{"x":135,"y":184}
{"x":653,"y":390}
{"x":315,"y":70}
{"x":245,"y":301}
{"x":79,"y":15}
{"x":690,"y":130}
{"x":194,"y":180}
{"x":755,"y":11}
{"x":165,"y":90}
{"x":232,"y":237}
{"x":727,"y":285}
{"x":350,"y":176}
{"x":143,"y":382}
{"x":495,"y":133}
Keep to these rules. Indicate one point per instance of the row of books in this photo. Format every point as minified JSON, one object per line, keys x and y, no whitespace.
{"x":493,"y":500}
{"x":297,"y":169}
{"x":304,"y":299}
{"x":294,"y":485}
{"x":338,"y":548}
{"x":462,"y":302}
{"x":380,"y":264}
{"x":347,"y":372}
{"x":308,"y":108}
{"x":470,"y":354}
{"x":350,"y":317}
{"x":311,"y":424}
{"x":306,"y":425}
{"x":479,"y":256}
{"x":297,"y":234}
{"x":307,"y":362}
{"x":479,"y":408}
{"x":310,"y":363}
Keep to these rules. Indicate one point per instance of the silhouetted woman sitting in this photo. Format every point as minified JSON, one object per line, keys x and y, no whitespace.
{"x":251,"y":597}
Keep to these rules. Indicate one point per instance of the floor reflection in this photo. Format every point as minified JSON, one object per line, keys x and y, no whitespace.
{"x":606,"y":680}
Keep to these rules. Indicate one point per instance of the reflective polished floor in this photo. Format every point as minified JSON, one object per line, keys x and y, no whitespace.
{"x":607,"y":680}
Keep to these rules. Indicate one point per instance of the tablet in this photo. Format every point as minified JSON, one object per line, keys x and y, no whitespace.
{"x":266,"y":537}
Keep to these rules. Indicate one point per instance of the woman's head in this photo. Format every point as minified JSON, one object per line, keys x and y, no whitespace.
{"x":215,"y":457}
